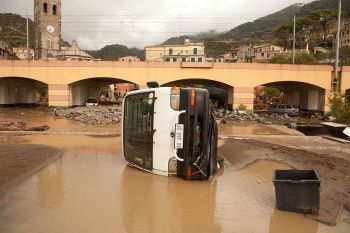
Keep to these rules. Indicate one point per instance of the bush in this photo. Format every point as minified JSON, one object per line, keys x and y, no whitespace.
{"x":271,"y":91}
{"x":340,"y":107}
{"x":300,"y":58}
{"x":242,"y":107}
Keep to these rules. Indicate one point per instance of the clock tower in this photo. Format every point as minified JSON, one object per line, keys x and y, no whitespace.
{"x":47,"y":21}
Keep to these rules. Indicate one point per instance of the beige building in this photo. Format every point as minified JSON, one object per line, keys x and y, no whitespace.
{"x":345,"y":35}
{"x":6,"y":53}
{"x":187,"y":52}
{"x":74,"y":53}
{"x":256,"y":53}
{"x":21,"y":53}
{"x":129,"y":59}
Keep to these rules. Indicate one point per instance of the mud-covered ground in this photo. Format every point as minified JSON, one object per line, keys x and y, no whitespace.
{"x":332,"y":162}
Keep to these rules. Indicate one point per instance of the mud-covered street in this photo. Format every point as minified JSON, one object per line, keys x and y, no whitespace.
{"x":89,"y":187}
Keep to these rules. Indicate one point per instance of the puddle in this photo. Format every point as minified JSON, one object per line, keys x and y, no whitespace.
{"x":262,"y":170}
{"x":253,"y":129}
{"x":92,"y":189}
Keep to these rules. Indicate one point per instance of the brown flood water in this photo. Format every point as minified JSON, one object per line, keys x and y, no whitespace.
{"x":92,"y":189}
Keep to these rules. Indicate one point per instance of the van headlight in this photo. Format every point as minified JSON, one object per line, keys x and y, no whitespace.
{"x":172,"y":165}
{"x":175,"y":98}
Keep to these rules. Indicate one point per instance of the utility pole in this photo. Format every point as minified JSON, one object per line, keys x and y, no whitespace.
{"x":294,"y":41}
{"x":336,"y":81}
{"x":28,"y":54}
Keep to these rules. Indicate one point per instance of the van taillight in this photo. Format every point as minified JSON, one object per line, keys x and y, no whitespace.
{"x":193,"y":97}
{"x":175,"y":98}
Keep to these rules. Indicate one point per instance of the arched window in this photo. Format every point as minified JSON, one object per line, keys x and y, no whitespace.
{"x":45,"y":7}
{"x":54,"y":8}
{"x":49,"y":44}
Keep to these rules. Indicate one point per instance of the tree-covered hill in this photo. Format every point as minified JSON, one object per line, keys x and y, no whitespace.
{"x":113,"y":52}
{"x":12,"y":37}
{"x":262,"y":30}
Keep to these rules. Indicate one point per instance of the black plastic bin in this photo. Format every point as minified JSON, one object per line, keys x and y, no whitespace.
{"x":297,"y":190}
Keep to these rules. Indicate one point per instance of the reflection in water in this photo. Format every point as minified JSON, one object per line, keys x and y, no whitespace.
{"x":51,"y":186}
{"x":287,"y":222}
{"x":161,"y":204}
{"x":262,"y":170}
{"x":253,"y":129}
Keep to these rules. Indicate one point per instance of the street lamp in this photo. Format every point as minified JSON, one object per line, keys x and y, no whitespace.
{"x":335,"y":81}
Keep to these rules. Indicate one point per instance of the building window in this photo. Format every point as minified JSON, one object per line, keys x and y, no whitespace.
{"x":262,"y":54}
{"x":200,"y":59}
{"x":273,"y":49}
{"x":174,"y":59}
{"x":195,"y":50}
{"x":268,"y":55}
{"x":184,"y":59}
{"x":170,"y":51}
{"x":49,"y":44}
{"x":193,"y":59}
{"x":54,"y":9}
{"x":45,"y":7}
{"x":167,"y":59}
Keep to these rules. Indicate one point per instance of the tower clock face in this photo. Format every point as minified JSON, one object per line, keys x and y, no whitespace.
{"x":50,"y":29}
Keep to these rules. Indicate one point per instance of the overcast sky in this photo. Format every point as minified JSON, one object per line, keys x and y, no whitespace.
{"x":138,"y":23}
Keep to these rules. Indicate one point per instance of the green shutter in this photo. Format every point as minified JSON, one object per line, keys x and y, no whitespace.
{"x":200,"y":59}
{"x":174,"y":59}
{"x":170,"y":51}
{"x":193,"y":59}
{"x":195,"y":51}
{"x":184,"y":59}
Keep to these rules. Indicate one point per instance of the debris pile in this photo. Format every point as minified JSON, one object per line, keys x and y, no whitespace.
{"x":92,"y":115}
{"x":225,"y":116}
{"x":21,"y":126}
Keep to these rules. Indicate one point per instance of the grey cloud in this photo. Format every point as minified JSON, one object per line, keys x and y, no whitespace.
{"x":95,"y":23}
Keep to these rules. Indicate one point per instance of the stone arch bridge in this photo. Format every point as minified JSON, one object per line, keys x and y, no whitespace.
{"x":69,"y":82}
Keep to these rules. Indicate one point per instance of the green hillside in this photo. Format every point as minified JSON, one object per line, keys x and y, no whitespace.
{"x":14,"y":28}
{"x":113,"y":52}
{"x":262,"y":30}
{"x":12,"y":37}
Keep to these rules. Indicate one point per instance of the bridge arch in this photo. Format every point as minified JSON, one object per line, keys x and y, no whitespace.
{"x":32,"y":78}
{"x":109,"y":87}
{"x":309,"y":97}
{"x":19,"y":91}
{"x":220,"y":93}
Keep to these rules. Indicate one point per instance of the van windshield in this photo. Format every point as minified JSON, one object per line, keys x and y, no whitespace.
{"x":138,"y":129}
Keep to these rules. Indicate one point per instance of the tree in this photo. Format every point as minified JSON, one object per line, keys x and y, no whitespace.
{"x":303,"y":28}
{"x":300,"y":58}
{"x":325,"y":19}
{"x":344,"y":55}
{"x":284,"y":33}
{"x":279,"y":59}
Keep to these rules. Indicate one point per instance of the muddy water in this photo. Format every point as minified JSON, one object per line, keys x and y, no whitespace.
{"x":33,"y":116}
{"x":254,"y":129}
{"x":92,"y":189}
